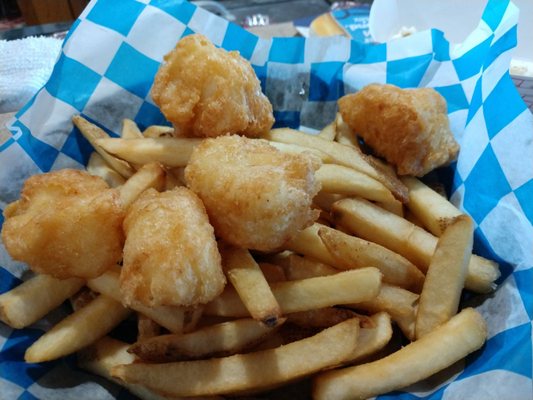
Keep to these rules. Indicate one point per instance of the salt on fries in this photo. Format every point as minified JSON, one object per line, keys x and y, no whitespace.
{"x":322,"y":304}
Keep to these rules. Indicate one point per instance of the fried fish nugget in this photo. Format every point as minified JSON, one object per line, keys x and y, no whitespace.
{"x":207,"y":92}
{"x":408,"y":127}
{"x":170,"y":256}
{"x":256,"y":196}
{"x":67,"y":223}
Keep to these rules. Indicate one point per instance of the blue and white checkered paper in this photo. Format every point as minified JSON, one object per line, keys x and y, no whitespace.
{"x":105,"y":72}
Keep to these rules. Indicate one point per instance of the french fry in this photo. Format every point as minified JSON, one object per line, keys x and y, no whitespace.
{"x":299,"y":267}
{"x":244,"y":372}
{"x":372,"y":338}
{"x":158,"y":131}
{"x":445,"y":278}
{"x":146,"y":327}
{"x":106,"y":353}
{"x":308,"y":243}
{"x":93,"y":133}
{"x":347,"y":156}
{"x":324,"y":200}
{"x":99,"y":167}
{"x":295,"y":149}
{"x":344,"y":134}
{"x":434,"y":210}
{"x":399,"y":303}
{"x":213,"y":341}
{"x":328,"y":132}
{"x":352,"y":252}
{"x":349,"y":182}
{"x":463,"y":334}
{"x":77,"y":330}
{"x":148,"y":176}
{"x":130,"y":130}
{"x":251,"y":285}
{"x":345,"y":287}
{"x":372,"y":223}
{"x":171,"y":318}
{"x":171,"y":152}
{"x":34,"y":298}
{"x":82,"y":298}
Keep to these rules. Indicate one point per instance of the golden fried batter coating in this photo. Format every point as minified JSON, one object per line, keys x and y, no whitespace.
{"x":170,"y":256}
{"x":205,"y":91}
{"x":408,"y":127}
{"x":256,"y":196}
{"x":66,"y":224}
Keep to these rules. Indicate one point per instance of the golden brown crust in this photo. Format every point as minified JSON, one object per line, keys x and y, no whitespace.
{"x":256,"y":196}
{"x":66,"y":224}
{"x":170,"y":255}
{"x":207,"y":92}
{"x":408,"y":127}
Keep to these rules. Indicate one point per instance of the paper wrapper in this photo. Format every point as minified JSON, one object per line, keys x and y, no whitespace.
{"x":105,"y":72}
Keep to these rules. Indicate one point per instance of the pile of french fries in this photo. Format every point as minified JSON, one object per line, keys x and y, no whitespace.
{"x":325,"y":306}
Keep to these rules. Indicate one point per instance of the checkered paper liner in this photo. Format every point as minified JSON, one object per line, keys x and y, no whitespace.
{"x":105,"y":72}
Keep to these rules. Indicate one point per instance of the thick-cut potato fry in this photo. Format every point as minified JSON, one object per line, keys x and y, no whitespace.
{"x":158,"y":131}
{"x":349,"y":182}
{"x":251,"y":285}
{"x":308,"y":243}
{"x":295,"y":149}
{"x":33,"y":299}
{"x":244,"y":372}
{"x":130,"y":130}
{"x":434,"y":210}
{"x":328,"y":132}
{"x":97,"y":166}
{"x":78,"y":330}
{"x":372,"y":223}
{"x":308,"y":294}
{"x":450,"y":342}
{"x":106,"y":353}
{"x":171,"y":152}
{"x":298,"y":267}
{"x":445,"y":278}
{"x":347,"y":156}
{"x":148,"y":176}
{"x":351,"y":252}
{"x":372,"y":338}
{"x":146,"y":328}
{"x":82,"y":298}
{"x":324,"y":200}
{"x":344,"y":134}
{"x":213,"y":341}
{"x":399,"y":303}
{"x":171,"y":318}
{"x":93,"y":133}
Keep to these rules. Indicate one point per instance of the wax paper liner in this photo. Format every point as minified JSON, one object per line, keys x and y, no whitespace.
{"x":105,"y":71}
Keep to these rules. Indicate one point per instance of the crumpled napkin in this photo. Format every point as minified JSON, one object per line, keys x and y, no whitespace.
{"x":25,"y":66}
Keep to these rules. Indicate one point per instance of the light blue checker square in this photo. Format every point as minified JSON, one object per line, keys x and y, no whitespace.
{"x":287,"y":50}
{"x":455,"y":97}
{"x":523,"y":282}
{"x":287,"y":119}
{"x":441,"y":46}
{"x":132,"y":70}
{"x":408,"y":72}
{"x":494,"y":12}
{"x":181,"y":10}
{"x":326,"y":83}
{"x":73,"y":82}
{"x":77,"y":147}
{"x":470,"y":63}
{"x":498,"y":115}
{"x":116,"y":15}
{"x":524,"y":194}
{"x":485,"y":186}
{"x":504,"y":43}
{"x":237,"y":38}
{"x":476,"y":101}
